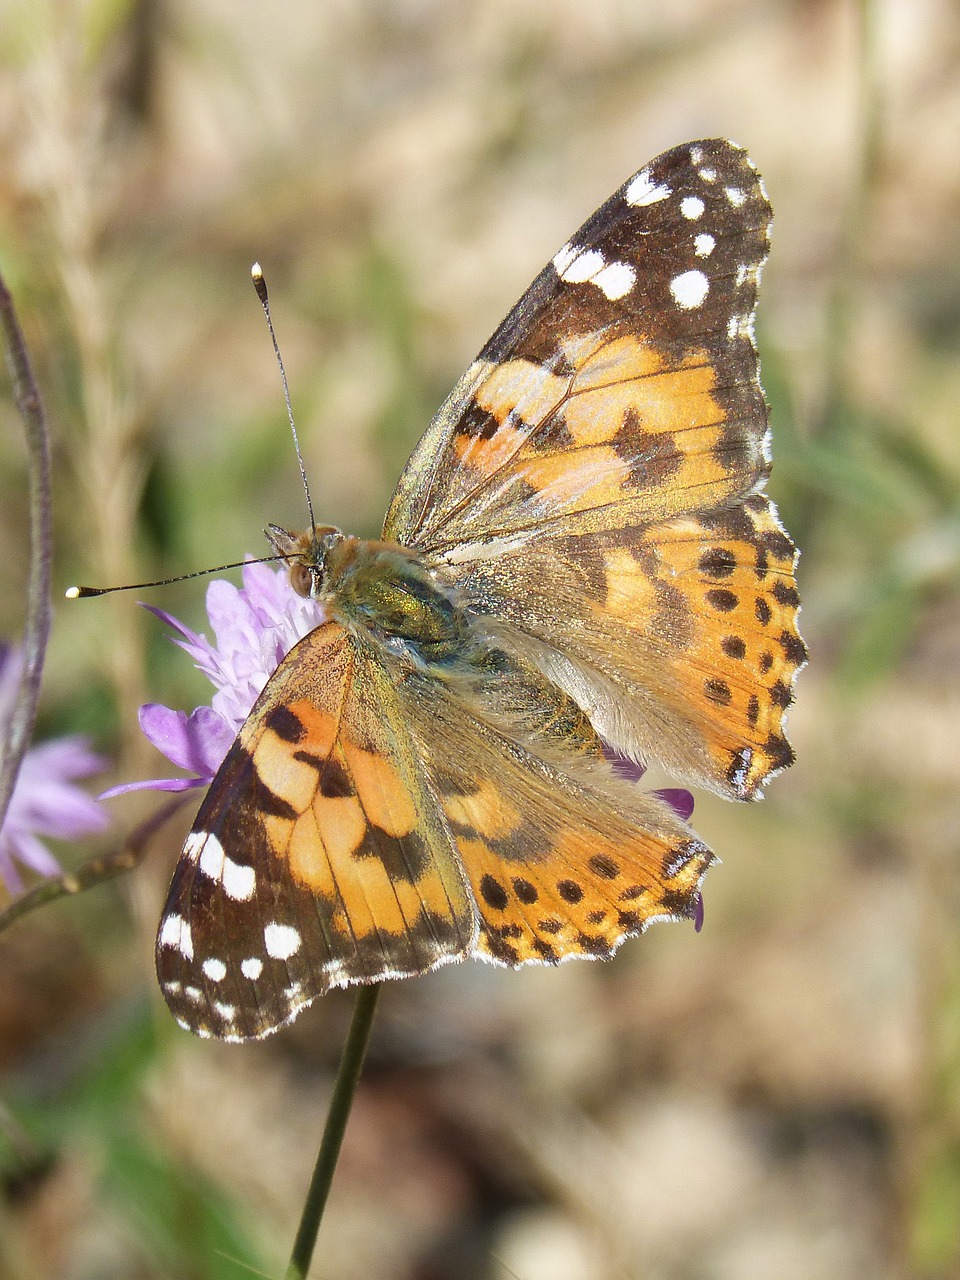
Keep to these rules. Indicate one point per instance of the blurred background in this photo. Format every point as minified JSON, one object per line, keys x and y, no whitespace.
{"x":776,"y":1097}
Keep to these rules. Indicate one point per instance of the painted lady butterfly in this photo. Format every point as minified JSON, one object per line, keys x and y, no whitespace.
{"x":579,"y":555}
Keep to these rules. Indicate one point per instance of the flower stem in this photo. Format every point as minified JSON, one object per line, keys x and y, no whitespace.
{"x":41,"y":546}
{"x":94,"y":872}
{"x":348,"y":1075}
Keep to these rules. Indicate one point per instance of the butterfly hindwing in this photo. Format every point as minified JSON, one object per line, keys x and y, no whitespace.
{"x":680,"y":636}
{"x":563,"y":857}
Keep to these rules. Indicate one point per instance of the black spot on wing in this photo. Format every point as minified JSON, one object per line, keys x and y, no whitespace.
{"x":405,"y":858}
{"x":284,"y":723}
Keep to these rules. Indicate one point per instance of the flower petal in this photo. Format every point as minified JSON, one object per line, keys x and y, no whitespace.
{"x":154,"y":784}
{"x":698,"y":912}
{"x":197,"y":742}
{"x":57,"y":809}
{"x":70,"y":757}
{"x":678,"y":798}
{"x":623,"y":766}
{"x":18,"y":845}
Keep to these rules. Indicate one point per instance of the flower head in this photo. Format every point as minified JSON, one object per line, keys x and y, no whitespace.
{"x":45,"y":803}
{"x":255,"y":626}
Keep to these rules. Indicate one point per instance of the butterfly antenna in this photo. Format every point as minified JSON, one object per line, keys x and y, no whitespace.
{"x":87,"y":593}
{"x":260,"y":285}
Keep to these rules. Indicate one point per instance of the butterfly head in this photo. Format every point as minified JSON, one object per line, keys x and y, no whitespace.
{"x":308,"y":554}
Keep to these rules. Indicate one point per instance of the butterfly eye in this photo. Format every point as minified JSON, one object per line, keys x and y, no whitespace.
{"x":301,"y":579}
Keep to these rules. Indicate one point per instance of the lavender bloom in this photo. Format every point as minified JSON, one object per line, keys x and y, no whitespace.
{"x":255,"y":627}
{"x":45,"y":801}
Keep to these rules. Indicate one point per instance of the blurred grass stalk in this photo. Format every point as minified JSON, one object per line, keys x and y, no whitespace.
{"x":66,"y":150}
{"x":37,"y":626}
{"x":930,"y":1163}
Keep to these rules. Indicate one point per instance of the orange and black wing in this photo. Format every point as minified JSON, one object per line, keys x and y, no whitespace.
{"x":317,"y":858}
{"x":595,"y":482}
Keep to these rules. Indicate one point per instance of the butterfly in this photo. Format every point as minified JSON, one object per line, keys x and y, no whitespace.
{"x":579,"y":558}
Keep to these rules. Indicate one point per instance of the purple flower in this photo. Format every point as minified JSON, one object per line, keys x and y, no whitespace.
{"x":45,"y":801}
{"x":255,"y":626}
{"x":678,"y":798}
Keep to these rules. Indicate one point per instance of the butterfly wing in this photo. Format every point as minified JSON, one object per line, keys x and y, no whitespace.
{"x":595,"y":480}
{"x":374,"y":822}
{"x":317,"y":858}
{"x":563,"y":858}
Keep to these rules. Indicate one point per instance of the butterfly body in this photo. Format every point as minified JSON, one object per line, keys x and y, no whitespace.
{"x":579,"y":557}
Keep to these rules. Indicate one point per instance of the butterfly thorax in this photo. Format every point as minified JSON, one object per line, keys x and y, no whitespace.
{"x":382,"y":588}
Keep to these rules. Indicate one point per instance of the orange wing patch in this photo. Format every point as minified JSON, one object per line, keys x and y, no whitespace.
{"x":624,"y":433}
{"x":679,"y":639}
{"x":573,"y":877}
{"x":733,"y":575}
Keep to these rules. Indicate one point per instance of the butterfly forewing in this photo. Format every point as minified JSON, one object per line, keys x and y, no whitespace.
{"x":624,"y":385}
{"x":317,"y":858}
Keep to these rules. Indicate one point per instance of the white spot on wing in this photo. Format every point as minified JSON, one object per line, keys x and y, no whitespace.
{"x":739,"y":774}
{"x":735,"y":196}
{"x":193,"y":844}
{"x":704,"y":245}
{"x":740,"y":327}
{"x":281,"y":941}
{"x":696,"y":154}
{"x":211,"y":853}
{"x":215,"y":969}
{"x":642,"y":190}
{"x":239,"y":881}
{"x":708,"y":175}
{"x":193,"y":994}
{"x":226,"y":1011}
{"x":251,"y":968}
{"x":615,"y":280}
{"x":689,"y":289}
{"x":175,"y":933}
{"x":583,"y":267}
{"x":692,"y":207}
{"x":564,"y":257}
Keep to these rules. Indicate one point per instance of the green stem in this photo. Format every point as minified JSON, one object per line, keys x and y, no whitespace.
{"x":340,"y":1104}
